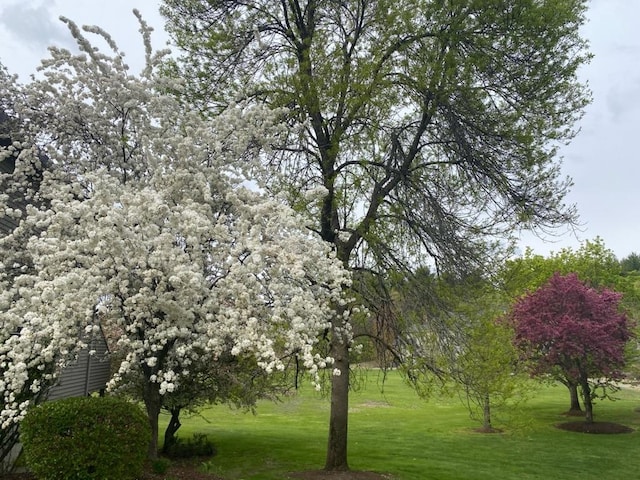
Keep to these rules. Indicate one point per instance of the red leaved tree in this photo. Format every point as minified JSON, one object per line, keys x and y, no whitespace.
{"x":573,"y":332}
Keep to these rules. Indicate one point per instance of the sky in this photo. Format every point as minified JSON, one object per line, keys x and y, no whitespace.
{"x":603,"y":160}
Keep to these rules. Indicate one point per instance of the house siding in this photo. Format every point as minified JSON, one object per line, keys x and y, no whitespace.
{"x":86,"y":375}
{"x":7,"y":224}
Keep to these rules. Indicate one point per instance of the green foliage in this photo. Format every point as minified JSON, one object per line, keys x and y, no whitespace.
{"x":473,"y":350}
{"x":630,"y":263}
{"x":427,"y":128}
{"x":197,"y":446}
{"x":160,"y":465}
{"x":593,"y":262}
{"x":630,"y":284}
{"x":487,"y":372}
{"x":85,"y":438}
{"x":430,"y":124}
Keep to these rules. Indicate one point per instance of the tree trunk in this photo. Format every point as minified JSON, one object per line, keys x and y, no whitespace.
{"x":338,"y":417}
{"x":486,"y":417}
{"x":172,"y":428}
{"x":152,"y":403}
{"x":575,"y":399}
{"x":586,"y":398}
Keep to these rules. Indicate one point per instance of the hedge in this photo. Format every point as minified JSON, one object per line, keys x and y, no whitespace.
{"x":85,"y":438}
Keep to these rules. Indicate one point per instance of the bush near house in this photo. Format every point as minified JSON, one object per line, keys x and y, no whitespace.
{"x":85,"y":438}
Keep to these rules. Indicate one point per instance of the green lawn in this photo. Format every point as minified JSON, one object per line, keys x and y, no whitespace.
{"x":395,"y":432}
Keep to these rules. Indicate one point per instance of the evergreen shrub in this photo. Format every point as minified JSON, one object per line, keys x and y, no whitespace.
{"x":85,"y":438}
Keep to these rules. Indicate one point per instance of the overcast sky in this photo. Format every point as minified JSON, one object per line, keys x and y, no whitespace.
{"x":603,"y":160}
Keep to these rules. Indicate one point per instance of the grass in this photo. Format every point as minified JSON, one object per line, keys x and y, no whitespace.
{"x":394,"y":431}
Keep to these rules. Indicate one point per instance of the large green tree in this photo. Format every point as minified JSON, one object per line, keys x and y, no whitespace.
{"x":417,"y":129}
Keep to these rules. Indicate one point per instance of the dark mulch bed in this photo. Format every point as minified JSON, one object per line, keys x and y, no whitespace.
{"x":178,"y":470}
{"x":487,"y":430}
{"x":346,"y":475}
{"x":606,"y":428}
{"x":17,"y":476}
{"x":187,"y":470}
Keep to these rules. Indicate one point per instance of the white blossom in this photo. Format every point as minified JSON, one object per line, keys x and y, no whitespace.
{"x":316,"y":193}
{"x":143,"y":223}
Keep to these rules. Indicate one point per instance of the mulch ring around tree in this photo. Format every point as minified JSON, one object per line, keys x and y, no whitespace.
{"x":340,"y":475}
{"x":607,"y":428}
{"x":487,"y":430}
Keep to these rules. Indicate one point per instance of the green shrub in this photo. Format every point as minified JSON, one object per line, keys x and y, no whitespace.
{"x":197,"y":446}
{"x":160,"y":465}
{"x":85,"y":438}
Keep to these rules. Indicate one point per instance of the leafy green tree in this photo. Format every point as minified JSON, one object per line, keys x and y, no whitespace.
{"x":486,"y":368}
{"x":477,"y":358}
{"x":592,"y":262}
{"x":415,"y":129}
{"x":630,"y":263}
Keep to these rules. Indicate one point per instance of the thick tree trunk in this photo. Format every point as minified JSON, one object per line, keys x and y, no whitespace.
{"x":338,"y":420}
{"x":172,"y":428}
{"x":152,"y":403}
{"x":575,"y":399}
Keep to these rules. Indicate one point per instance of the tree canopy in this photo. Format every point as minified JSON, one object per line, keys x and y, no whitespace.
{"x":592,"y":261}
{"x":143,"y":224}
{"x":568,"y":329}
{"x":460,"y":339}
{"x":483,"y":362}
{"x":631,"y":263}
{"x":427,"y":128}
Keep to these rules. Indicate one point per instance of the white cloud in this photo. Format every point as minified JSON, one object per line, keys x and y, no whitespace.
{"x":33,"y":25}
{"x":29,"y":27}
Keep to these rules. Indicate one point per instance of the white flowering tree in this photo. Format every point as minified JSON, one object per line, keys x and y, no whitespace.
{"x":143,"y":223}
